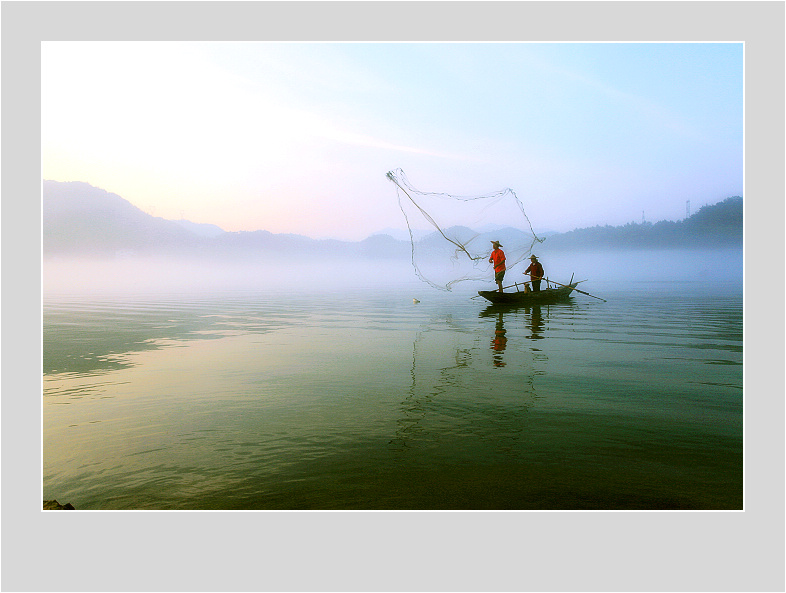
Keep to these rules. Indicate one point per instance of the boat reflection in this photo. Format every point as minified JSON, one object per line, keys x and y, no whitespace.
{"x":536,"y":323}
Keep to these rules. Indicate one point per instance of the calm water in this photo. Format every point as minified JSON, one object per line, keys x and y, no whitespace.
{"x":366,"y":400}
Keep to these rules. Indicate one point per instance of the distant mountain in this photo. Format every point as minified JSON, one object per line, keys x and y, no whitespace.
{"x":486,"y":230}
{"x":384,"y":246}
{"x":79,"y":219}
{"x":403,"y":234}
{"x":471,"y":239}
{"x":201,"y":229}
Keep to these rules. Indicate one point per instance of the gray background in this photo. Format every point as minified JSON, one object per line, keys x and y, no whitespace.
{"x":479,"y":551}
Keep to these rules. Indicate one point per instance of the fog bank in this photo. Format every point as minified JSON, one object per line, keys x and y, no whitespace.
{"x":190,"y":275}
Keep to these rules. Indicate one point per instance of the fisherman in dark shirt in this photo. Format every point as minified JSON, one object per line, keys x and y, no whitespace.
{"x":535,"y":271}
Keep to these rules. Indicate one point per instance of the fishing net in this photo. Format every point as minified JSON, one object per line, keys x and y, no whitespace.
{"x":451,"y":235}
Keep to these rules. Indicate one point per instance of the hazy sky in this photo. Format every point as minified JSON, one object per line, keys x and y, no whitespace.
{"x":293,"y":137}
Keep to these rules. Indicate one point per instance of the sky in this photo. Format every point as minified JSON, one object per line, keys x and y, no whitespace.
{"x":298,"y":137}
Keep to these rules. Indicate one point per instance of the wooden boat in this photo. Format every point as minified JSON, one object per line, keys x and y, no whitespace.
{"x":520,"y":297}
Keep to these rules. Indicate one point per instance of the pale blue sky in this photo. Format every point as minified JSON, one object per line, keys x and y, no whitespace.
{"x":298,"y":137}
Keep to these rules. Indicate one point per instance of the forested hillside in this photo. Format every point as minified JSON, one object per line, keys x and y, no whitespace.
{"x":718,"y":225}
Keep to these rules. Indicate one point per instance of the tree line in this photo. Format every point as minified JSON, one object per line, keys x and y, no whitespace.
{"x":716,"y":225}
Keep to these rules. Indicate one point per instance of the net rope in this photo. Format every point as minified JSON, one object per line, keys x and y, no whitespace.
{"x":451,"y":235}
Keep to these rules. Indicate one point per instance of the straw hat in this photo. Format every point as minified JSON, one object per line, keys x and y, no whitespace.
{"x":496,"y":243}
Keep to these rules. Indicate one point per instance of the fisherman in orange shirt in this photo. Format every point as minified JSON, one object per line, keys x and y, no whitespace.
{"x":498,"y":259}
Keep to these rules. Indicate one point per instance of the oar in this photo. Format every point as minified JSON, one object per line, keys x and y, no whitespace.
{"x":581,"y":291}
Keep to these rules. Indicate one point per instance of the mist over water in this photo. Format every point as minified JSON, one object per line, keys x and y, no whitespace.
{"x":169,"y":275}
{"x":717,"y":268}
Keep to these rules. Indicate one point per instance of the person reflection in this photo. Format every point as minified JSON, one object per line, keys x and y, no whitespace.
{"x":536,"y":323}
{"x":499,"y":342}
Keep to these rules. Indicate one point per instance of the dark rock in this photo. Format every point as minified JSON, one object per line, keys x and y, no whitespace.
{"x":53,"y":505}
